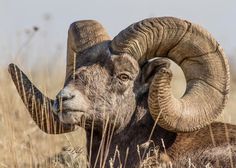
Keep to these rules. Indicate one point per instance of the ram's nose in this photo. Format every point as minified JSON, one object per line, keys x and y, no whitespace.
{"x":63,"y":96}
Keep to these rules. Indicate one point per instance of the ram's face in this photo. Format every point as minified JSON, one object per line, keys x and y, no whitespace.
{"x":100,"y":90}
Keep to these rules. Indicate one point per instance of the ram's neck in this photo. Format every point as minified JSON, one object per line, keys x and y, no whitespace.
{"x":127,"y":146}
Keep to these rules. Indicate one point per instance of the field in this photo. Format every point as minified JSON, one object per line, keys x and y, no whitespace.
{"x":22,"y":144}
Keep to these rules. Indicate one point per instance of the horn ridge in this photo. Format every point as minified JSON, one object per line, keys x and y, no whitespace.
{"x":200,"y":57}
{"x":83,"y":35}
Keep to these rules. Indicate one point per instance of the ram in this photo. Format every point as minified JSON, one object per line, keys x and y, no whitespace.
{"x":120,"y":91}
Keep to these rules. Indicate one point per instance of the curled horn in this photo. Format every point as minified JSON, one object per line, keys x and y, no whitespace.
{"x":198,"y":54}
{"x":81,"y":36}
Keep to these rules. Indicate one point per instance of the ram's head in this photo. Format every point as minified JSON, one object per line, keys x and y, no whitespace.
{"x":105,"y":78}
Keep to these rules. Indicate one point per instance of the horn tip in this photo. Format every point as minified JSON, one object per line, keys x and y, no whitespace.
{"x":11,"y":67}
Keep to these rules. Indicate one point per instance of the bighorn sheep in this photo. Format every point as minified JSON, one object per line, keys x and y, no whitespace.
{"x":118,"y":87}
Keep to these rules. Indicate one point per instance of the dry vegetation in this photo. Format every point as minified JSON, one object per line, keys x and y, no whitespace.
{"x":22,"y":144}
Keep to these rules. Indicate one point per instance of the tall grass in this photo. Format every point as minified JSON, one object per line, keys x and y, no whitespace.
{"x":22,"y":144}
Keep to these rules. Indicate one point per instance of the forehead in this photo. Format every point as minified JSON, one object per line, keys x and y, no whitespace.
{"x":125,"y":63}
{"x":110,"y":62}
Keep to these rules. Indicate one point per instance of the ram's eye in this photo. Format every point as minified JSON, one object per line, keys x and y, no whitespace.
{"x":124,"y":77}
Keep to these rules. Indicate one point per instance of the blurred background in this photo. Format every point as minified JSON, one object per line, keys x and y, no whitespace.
{"x":33,"y":35}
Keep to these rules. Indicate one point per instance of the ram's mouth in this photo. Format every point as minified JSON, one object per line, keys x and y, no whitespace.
{"x":71,"y":111}
{"x":58,"y":110}
{"x":77,"y":117}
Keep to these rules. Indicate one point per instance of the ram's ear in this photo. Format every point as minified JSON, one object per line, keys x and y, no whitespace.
{"x":149,"y":69}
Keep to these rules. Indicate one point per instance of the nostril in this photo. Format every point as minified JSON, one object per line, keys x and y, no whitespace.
{"x":67,"y":97}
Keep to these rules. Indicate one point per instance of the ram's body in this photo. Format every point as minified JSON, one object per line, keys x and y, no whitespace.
{"x":117,"y":90}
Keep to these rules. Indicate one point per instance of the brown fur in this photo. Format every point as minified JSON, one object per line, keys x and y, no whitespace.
{"x":214,"y":145}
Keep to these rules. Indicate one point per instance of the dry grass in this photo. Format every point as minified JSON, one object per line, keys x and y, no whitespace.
{"x":22,"y":144}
